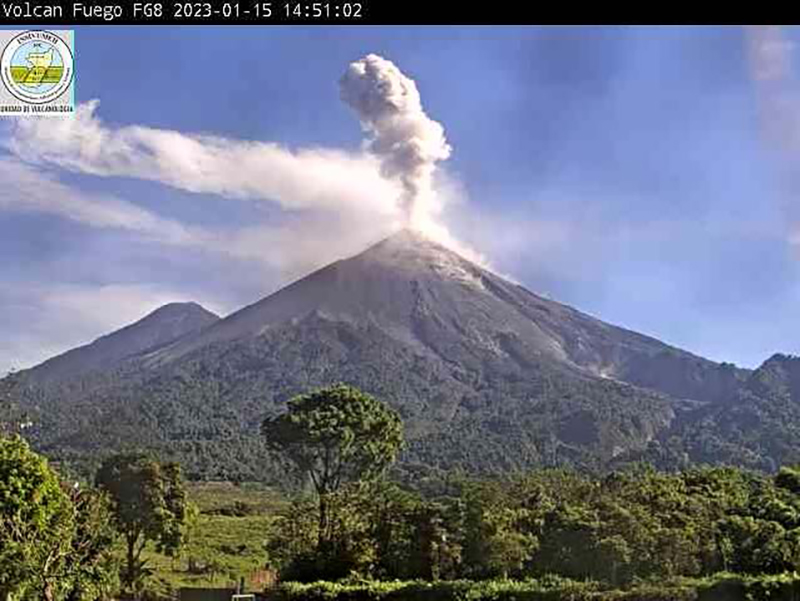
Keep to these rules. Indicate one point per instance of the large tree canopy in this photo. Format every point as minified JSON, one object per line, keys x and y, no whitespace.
{"x":149,"y":505}
{"x":34,"y":515}
{"x":335,"y":435}
{"x":54,"y":541}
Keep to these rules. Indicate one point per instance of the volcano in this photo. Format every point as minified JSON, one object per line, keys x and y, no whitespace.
{"x":164,"y":325}
{"x":487,"y":375}
{"x":442,"y":307}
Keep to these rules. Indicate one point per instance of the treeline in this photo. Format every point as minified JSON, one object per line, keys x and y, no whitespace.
{"x":556,"y":533}
{"x":636,"y":524}
{"x":618,"y":529}
{"x":64,"y":541}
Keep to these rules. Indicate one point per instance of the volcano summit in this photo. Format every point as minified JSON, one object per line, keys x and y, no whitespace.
{"x":487,"y":375}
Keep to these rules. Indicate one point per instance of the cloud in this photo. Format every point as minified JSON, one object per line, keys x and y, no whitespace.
{"x":334,"y":202}
{"x":297,"y":244}
{"x":388,"y":185}
{"x":770,"y":54}
{"x":296,"y":180}
{"x":28,"y":189}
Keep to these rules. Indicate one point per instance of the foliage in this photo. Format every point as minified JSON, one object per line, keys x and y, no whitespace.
{"x":636,"y":530}
{"x":54,"y":542}
{"x":335,"y":436}
{"x":221,"y":546}
{"x":93,"y":568}
{"x":35,"y":517}
{"x":478,"y":416}
{"x":617,"y":529}
{"x":12,"y":417}
{"x":149,"y":504}
{"x":725,"y":586}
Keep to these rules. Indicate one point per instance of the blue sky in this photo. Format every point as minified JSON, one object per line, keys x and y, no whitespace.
{"x":629,"y":172}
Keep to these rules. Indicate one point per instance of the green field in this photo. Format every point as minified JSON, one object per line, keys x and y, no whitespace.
{"x":227,"y":541}
{"x":53,"y":74}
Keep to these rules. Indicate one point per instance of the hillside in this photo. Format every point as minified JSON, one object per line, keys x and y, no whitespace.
{"x":164,"y":325}
{"x":487,"y":375}
{"x":757,"y":427}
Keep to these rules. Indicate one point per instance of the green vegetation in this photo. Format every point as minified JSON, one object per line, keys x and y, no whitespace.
{"x":11,"y":416}
{"x":635,"y":534}
{"x":149,"y":505}
{"x":220,"y":551}
{"x":721,"y":587}
{"x":757,"y":427}
{"x":335,"y":436}
{"x":55,"y":543}
{"x":469,"y":415}
{"x":617,"y":529}
{"x":226,"y":541}
{"x":472,"y":416}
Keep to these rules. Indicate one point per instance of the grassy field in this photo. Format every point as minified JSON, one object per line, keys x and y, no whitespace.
{"x":226,"y":542}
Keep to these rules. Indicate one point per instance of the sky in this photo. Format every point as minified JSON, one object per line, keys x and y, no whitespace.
{"x":643,"y":175}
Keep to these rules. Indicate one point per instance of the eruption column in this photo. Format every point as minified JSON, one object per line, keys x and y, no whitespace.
{"x":407,"y":141}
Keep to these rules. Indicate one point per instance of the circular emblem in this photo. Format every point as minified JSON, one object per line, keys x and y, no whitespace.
{"x":36,"y":67}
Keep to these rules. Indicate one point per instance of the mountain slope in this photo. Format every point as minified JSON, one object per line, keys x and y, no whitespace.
{"x":206,"y":407}
{"x":758,"y":426}
{"x":428,"y":297}
{"x":487,"y":375}
{"x":164,"y":325}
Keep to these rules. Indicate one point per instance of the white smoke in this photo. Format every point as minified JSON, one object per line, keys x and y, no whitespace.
{"x":307,"y":179}
{"x":407,"y":141}
{"x":336,"y":201}
{"x":28,"y":189}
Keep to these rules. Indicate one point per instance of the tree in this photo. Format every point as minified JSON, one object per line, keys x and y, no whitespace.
{"x":335,"y":435}
{"x":149,"y":504}
{"x":34,"y":517}
{"x":394,"y":517}
{"x":54,"y":541}
{"x":500,"y":532}
{"x":788,"y":478}
{"x":12,"y":417}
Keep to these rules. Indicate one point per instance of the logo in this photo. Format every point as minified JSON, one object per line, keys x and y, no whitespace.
{"x":37,"y":67}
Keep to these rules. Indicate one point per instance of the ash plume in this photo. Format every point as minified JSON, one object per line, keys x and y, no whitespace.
{"x":407,"y":141}
{"x":331,"y":202}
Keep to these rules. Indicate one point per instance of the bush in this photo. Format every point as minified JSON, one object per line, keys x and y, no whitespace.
{"x":724,"y":587}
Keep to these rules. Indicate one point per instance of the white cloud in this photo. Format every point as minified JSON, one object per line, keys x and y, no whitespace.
{"x":335,"y":202}
{"x":304,"y":242}
{"x":296,"y":180}
{"x":299,"y":243}
{"x":28,"y":189}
